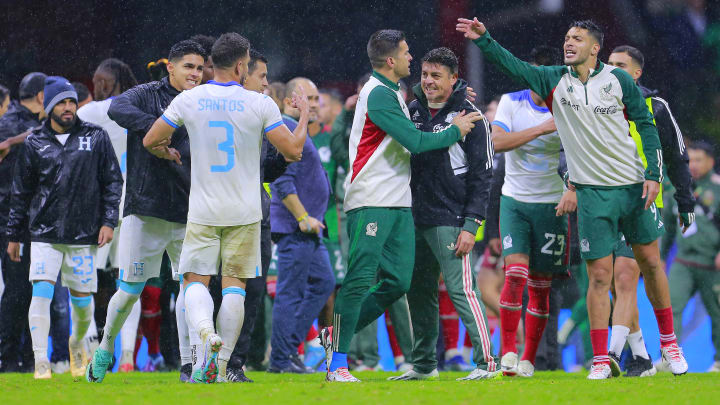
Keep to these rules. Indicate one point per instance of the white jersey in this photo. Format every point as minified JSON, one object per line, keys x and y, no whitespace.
{"x":226,"y":124}
{"x":96,"y":112}
{"x":530,"y":170}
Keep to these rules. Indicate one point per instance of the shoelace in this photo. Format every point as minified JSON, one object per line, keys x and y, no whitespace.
{"x":675,"y":352}
{"x":345,"y":373}
{"x":597,"y":369}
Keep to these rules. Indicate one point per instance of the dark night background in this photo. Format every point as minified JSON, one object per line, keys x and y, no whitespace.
{"x":325,"y":40}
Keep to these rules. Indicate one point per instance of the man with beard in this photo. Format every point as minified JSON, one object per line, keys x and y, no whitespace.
{"x":592,"y":105}
{"x":156,"y":198}
{"x":67,"y":223}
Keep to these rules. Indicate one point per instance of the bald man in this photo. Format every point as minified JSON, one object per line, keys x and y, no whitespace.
{"x":305,"y":278}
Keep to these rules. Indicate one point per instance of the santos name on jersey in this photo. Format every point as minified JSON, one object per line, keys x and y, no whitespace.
{"x":225,"y":124}
{"x":531,"y":170}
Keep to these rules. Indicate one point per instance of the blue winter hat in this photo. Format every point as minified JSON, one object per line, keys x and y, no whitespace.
{"x":57,"y":89}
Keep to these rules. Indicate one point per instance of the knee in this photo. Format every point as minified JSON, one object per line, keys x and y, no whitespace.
{"x":648,"y":263}
{"x":133,"y":289}
{"x":600,"y":277}
{"x":43,"y":289}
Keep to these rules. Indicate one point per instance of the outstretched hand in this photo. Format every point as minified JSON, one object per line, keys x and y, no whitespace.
{"x":300,"y":100}
{"x":471,"y":29}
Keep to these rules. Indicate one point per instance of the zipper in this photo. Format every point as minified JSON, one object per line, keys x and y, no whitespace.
{"x":586,"y":97}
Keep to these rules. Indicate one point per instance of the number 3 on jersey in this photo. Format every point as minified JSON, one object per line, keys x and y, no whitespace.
{"x":228,"y":146}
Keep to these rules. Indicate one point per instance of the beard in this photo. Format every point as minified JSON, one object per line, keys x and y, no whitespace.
{"x":65,"y":123}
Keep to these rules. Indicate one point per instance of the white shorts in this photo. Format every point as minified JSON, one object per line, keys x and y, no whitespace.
{"x":76,"y":264}
{"x":236,"y":247}
{"x":141,"y":245}
{"x":108,"y":253}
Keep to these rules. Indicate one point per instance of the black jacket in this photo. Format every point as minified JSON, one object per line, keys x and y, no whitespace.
{"x":65,"y":192}
{"x":675,"y":156}
{"x":16,"y":120}
{"x":155,"y":187}
{"x":450,"y":186}
{"x":272,"y":166}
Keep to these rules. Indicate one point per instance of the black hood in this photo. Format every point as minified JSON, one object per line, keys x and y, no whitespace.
{"x":647,"y":92}
{"x":457,"y":97}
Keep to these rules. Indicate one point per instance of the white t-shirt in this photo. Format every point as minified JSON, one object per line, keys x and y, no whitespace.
{"x":96,"y":112}
{"x":530,"y":170}
{"x":226,"y":124}
{"x":62,"y":138}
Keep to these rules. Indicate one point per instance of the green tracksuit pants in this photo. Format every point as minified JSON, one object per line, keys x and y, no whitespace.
{"x":685,"y":281}
{"x":435,"y":255}
{"x":381,"y":249}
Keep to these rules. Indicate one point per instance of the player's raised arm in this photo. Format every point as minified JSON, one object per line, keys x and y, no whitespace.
{"x":290,"y":144}
{"x":157,"y":139}
{"x":537,"y":78}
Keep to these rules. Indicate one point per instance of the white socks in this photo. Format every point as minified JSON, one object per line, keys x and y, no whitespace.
{"x":183,"y":332}
{"x":229,"y":322}
{"x":119,"y":309}
{"x":39,"y":320}
{"x":91,"y":336}
{"x":637,"y":344}
{"x":128,"y":334}
{"x":82,"y":312}
{"x":617,"y":338}
{"x":199,"y":308}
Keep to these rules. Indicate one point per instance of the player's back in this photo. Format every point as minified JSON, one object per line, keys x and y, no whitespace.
{"x":225,"y":124}
{"x":96,"y":112}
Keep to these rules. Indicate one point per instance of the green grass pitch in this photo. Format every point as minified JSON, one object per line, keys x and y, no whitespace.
{"x":545,"y":388}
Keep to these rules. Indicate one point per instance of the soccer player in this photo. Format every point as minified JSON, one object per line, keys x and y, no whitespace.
{"x":112,"y":78}
{"x":156,"y":197}
{"x":625,"y":322}
{"x":206,"y":42}
{"x":225,"y":123}
{"x":67,"y":223}
{"x":592,"y":105}
{"x":449,"y":188}
{"x":378,"y":198}
{"x":533,"y":236}
{"x":272,"y":165}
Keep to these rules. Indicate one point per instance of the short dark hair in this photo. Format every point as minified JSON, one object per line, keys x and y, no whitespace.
{"x":704,"y":146}
{"x":634,"y":53}
{"x":544,"y":55}
{"x":230,"y":47}
{"x":442,"y":56}
{"x":382,"y":44}
{"x":82,"y":91}
{"x":121,"y":72}
{"x":4,"y":93}
{"x":206,"y":41}
{"x":186,"y":47}
{"x":255,"y":56}
{"x":592,"y":28}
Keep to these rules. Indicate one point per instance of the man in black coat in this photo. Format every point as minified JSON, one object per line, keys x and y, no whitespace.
{"x":66,"y":186}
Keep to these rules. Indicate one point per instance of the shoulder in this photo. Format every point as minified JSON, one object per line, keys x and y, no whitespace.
{"x":659,"y":105}
{"x":715,"y":178}
{"x":625,"y":80}
{"x":90,"y":129}
{"x":414,"y":105}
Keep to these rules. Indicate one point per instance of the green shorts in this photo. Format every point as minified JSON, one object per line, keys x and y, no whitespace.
{"x":622,"y":249}
{"x":534,"y":229}
{"x":605,"y":212}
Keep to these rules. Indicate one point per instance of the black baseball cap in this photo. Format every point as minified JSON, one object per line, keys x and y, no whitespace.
{"x":32,"y":84}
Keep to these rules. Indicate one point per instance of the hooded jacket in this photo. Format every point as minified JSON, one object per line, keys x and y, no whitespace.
{"x":16,"y":120}
{"x":450,"y":186}
{"x":155,"y":187}
{"x":65,"y":193}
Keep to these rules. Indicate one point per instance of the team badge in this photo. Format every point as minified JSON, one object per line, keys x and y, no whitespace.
{"x":606,"y":92}
{"x":507,"y":242}
{"x":584,"y":245}
{"x":371,"y":229}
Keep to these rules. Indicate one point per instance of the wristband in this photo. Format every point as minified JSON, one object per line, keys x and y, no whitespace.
{"x":302,"y":217}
